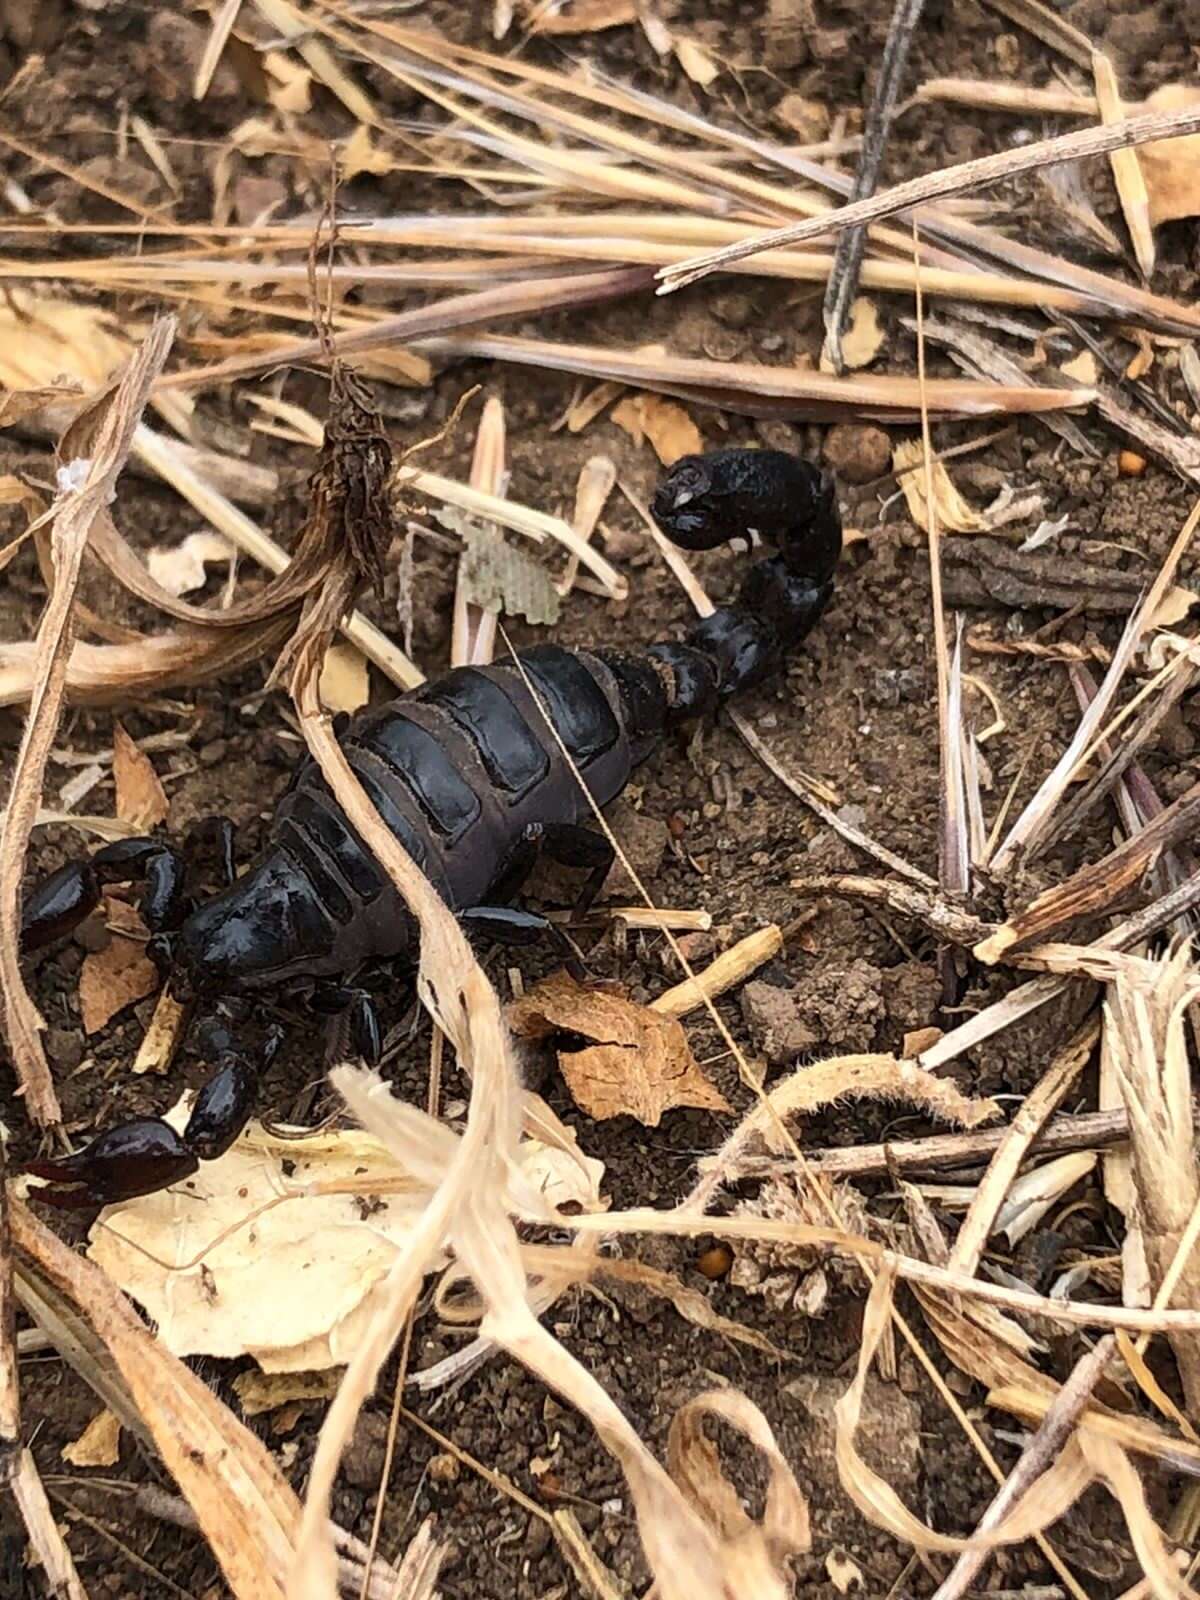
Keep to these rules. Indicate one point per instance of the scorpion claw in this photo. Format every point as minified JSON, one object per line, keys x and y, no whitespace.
{"x":135,"y":1159}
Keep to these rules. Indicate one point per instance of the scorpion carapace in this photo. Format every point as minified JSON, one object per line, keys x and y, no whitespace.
{"x":473,"y":782}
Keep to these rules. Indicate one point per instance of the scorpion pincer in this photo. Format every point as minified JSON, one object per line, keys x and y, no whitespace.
{"x":471,"y":780}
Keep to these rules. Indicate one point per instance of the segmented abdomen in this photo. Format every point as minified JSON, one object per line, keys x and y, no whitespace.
{"x":458,"y":769}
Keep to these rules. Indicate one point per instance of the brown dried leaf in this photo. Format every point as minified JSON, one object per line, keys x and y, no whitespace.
{"x":99,"y":1445}
{"x":1171,"y":168}
{"x":113,"y":978}
{"x":667,"y":426}
{"x":266,"y":1391}
{"x":640,"y":1064}
{"x":141,"y":799}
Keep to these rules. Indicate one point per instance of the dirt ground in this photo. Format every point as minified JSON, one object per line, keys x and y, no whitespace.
{"x":856,"y":710}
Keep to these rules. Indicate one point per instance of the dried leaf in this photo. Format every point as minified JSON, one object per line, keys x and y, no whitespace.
{"x":345,"y":681}
{"x":18,"y":403}
{"x":290,"y":90}
{"x":863,"y":338}
{"x":181,"y":568}
{"x":587,"y":16}
{"x":110,"y":979}
{"x":359,"y":155}
{"x":1171,"y":168}
{"x":589,"y":407}
{"x":954,"y":514}
{"x":1033,"y":1193}
{"x":696,"y":61}
{"x":141,"y":799}
{"x":99,"y":1445}
{"x":1173,"y":607}
{"x":292,"y":1285}
{"x":258,"y":1392}
{"x":1082,"y":368}
{"x":640,"y":1063}
{"x":505,"y":579}
{"x":666,"y":424}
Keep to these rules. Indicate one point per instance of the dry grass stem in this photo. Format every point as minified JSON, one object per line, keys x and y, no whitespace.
{"x":1149,"y":1060}
{"x":941,"y":916}
{"x":948,"y":181}
{"x":473,"y":635}
{"x":1032,"y":1114}
{"x":88,"y":484}
{"x":597,"y":478}
{"x":1047,"y":25}
{"x":244,"y":1507}
{"x":1126,"y":168}
{"x":984,"y":94}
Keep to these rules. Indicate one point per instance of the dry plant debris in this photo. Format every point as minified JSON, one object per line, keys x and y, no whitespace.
{"x":639,"y":1063}
{"x":218,"y":1263}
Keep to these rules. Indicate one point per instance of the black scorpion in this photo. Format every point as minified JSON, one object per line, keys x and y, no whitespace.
{"x":467,"y":775}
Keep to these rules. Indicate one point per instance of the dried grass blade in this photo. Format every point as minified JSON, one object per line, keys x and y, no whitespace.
{"x":595,"y":484}
{"x":79,"y":506}
{"x":949,"y":180}
{"x":222,"y":27}
{"x":1038,"y":1106}
{"x":1038,"y":1457}
{"x":246,"y":1510}
{"x":473,"y":636}
{"x":893,"y":397}
{"x":459,"y":311}
{"x":1126,"y":168}
{"x":1029,"y":827}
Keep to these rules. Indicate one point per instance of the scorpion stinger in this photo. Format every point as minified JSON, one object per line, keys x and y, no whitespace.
{"x":474,"y":784}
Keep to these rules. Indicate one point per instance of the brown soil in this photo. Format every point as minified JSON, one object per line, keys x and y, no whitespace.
{"x":855,"y":710}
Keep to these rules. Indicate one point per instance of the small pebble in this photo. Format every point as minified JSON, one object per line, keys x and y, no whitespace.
{"x":856,"y":452}
{"x":715,"y":1262}
{"x":443,"y":1468}
{"x":213,"y":753}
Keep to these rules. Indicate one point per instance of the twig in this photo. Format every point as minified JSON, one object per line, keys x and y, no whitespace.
{"x":939,"y":914}
{"x":851,"y":246}
{"x":939,"y":1152}
{"x":1036,"y":1458}
{"x":936,"y":185}
{"x":728,"y":970}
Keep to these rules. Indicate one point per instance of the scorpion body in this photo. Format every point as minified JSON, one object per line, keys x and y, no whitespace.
{"x":471,"y":774}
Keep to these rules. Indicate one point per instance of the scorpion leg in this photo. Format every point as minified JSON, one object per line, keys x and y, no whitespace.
{"x":354,"y":1022}
{"x":215,"y":833}
{"x":511,"y":925}
{"x":572,"y":845}
{"x":58,"y":904}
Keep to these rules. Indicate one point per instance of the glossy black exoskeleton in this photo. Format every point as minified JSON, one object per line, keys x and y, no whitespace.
{"x":471,"y":780}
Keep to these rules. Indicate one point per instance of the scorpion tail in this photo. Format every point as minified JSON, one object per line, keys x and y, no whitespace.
{"x":706,"y":500}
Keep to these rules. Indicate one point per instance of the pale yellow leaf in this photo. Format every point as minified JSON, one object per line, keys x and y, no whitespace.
{"x":99,"y":1445}
{"x":665,"y":423}
{"x":863,"y":337}
{"x":1173,"y":607}
{"x":359,"y":155}
{"x":1171,"y":167}
{"x":180,"y":568}
{"x":345,"y":680}
{"x":1082,"y":368}
{"x":954,"y":514}
{"x":696,"y":61}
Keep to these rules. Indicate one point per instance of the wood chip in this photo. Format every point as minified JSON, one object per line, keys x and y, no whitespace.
{"x":639,"y":1064}
{"x":1126,"y":167}
{"x":345,"y":680}
{"x":141,"y":799}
